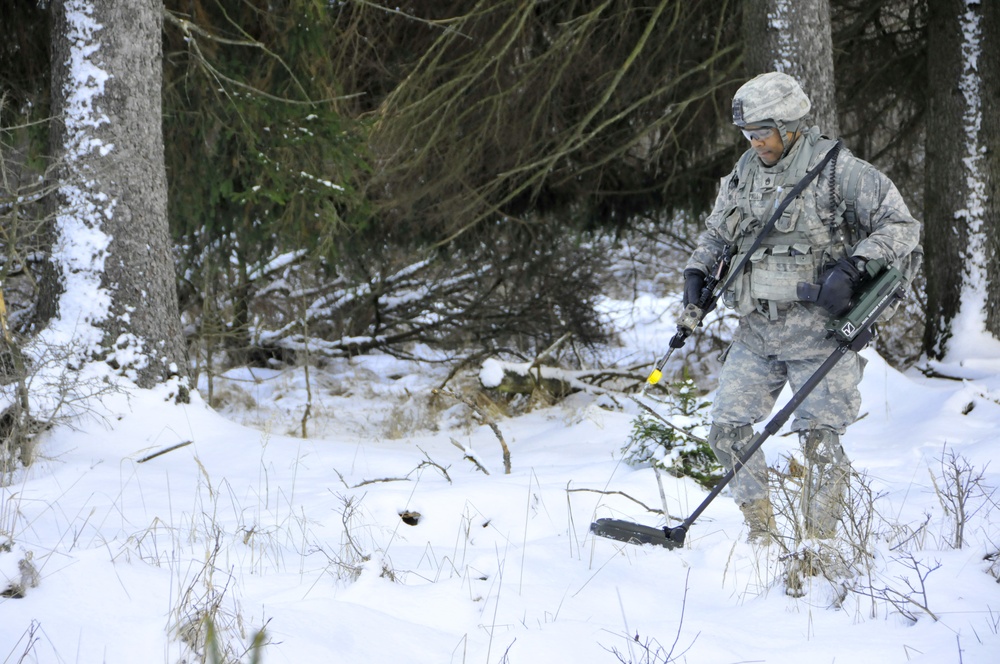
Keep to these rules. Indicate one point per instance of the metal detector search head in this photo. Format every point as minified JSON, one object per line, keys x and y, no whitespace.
{"x":636,"y":533}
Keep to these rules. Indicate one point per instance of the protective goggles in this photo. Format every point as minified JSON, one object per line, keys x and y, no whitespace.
{"x":758,"y":134}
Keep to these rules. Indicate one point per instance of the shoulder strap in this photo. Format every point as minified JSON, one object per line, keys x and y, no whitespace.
{"x":786,"y":201}
{"x":744,"y":163}
{"x":849,"y":183}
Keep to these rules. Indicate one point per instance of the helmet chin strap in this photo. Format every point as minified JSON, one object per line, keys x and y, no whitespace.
{"x":785,"y":128}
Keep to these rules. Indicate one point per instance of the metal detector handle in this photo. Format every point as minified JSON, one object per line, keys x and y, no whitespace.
{"x":692,"y":315}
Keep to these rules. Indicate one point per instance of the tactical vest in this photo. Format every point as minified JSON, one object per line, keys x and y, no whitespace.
{"x":809,"y":236}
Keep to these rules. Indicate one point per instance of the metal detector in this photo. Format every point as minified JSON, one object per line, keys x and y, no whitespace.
{"x":882,"y":287}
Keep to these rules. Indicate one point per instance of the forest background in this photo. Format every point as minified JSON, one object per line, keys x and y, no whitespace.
{"x":340,"y":177}
{"x":194,"y":186}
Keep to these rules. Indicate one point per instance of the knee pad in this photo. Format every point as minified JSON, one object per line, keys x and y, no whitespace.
{"x":822,"y":446}
{"x":729,"y":438}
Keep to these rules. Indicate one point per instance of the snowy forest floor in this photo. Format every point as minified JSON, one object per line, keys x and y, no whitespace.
{"x":122,"y":555}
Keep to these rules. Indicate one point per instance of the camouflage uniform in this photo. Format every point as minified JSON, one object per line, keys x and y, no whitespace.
{"x":781,"y":339}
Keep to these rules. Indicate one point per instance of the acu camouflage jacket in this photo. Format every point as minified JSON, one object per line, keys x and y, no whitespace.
{"x":849,"y":209}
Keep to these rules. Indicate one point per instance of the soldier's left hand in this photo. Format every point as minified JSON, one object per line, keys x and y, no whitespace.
{"x":837,"y":286}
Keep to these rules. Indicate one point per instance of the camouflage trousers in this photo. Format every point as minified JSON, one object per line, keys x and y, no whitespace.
{"x":765,"y":356}
{"x":826,"y":475}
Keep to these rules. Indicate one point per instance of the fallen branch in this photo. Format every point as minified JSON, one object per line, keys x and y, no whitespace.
{"x":384,"y":480}
{"x":526,"y":377}
{"x":469,"y":456}
{"x":367,"y":482}
{"x":164,"y":451}
{"x":625,"y":495}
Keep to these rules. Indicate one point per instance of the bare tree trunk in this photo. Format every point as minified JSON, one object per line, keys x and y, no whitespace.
{"x":948,"y":187}
{"x":990,"y":64}
{"x":794,"y":37}
{"x":107,"y":73}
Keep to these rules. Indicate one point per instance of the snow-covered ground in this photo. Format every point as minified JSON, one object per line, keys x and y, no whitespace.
{"x":259,"y":527}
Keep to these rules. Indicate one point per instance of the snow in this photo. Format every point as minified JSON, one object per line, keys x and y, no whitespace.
{"x":246,"y":520}
{"x":303,"y":536}
{"x":81,"y":246}
{"x":491,"y":373}
{"x":968,"y":340}
{"x":786,"y":50}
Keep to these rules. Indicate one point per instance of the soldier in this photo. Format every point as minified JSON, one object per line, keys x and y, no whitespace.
{"x":849,"y":214}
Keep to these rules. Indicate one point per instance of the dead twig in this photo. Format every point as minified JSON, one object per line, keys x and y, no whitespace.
{"x":367,"y":482}
{"x":486,"y":420}
{"x":164,"y":451}
{"x":625,"y":495}
{"x":468,"y":456}
{"x":551,"y":349}
{"x":384,"y":480}
{"x":431,"y":462}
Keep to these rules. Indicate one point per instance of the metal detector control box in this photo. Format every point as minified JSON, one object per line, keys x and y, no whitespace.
{"x":880,"y":287}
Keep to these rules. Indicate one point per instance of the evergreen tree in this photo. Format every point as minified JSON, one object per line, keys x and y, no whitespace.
{"x":957,"y":234}
{"x":794,"y":38}
{"x":262,"y":160}
{"x":114,"y":271}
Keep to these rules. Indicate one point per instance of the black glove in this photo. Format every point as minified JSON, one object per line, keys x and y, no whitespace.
{"x":694,"y":283}
{"x":837,"y":286}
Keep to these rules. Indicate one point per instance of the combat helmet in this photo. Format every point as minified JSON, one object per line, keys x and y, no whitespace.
{"x":773,"y":99}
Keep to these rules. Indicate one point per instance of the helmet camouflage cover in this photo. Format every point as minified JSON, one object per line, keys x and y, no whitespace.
{"x":774,"y":97}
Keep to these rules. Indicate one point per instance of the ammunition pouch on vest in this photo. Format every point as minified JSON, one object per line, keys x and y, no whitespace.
{"x":801,"y":244}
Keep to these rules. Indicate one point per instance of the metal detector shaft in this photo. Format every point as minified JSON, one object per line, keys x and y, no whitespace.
{"x":885,"y":288}
{"x":854,"y":331}
{"x":772,"y":427}
{"x":673,"y":537}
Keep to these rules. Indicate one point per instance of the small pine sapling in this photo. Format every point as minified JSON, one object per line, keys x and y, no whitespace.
{"x":679,"y":447}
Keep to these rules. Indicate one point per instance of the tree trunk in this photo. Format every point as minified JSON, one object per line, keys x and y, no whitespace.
{"x":990,"y":64}
{"x":794,"y":37}
{"x":112,"y":246}
{"x":949,"y":185}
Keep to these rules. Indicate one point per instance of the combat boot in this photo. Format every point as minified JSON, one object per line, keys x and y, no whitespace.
{"x":759,"y":517}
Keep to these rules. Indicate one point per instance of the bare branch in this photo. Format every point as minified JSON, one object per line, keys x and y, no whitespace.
{"x":625,"y":495}
{"x":164,"y":451}
{"x":485,"y":417}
